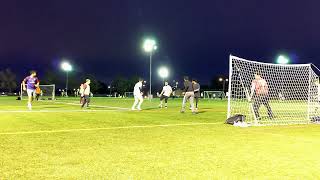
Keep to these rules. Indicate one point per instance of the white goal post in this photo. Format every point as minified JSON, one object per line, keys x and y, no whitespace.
{"x":47,"y":92}
{"x":291,"y":92}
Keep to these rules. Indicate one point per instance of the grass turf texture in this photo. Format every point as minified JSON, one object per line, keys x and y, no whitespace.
{"x":105,"y":142}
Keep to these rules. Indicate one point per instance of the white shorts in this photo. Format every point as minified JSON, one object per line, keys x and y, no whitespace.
{"x":139,"y":96}
{"x":31,"y":92}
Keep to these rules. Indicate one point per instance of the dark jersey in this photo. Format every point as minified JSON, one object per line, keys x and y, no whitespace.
{"x":188,"y":86}
{"x":196,"y":88}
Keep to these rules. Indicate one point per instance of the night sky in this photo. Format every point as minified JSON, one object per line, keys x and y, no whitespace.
{"x":195,"y":38}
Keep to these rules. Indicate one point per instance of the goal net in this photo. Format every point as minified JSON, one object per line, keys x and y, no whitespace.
{"x":213,"y":94}
{"x":287,"y":93}
{"x":47,"y":92}
{"x":128,"y":94}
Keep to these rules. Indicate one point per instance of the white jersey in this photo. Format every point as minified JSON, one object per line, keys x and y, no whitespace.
{"x":81,"y":89}
{"x":167,"y":90}
{"x":137,"y":89}
{"x":86,"y":89}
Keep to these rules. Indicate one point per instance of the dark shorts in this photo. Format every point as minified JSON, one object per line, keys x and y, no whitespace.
{"x":162,"y":97}
{"x":197,"y":94}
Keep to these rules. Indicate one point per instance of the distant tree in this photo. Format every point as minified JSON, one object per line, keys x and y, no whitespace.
{"x":131,"y":82}
{"x":8,"y":80}
{"x":120,"y":85}
{"x":215,"y":84}
{"x":102,"y":88}
{"x":96,"y":86}
{"x":50,"y":77}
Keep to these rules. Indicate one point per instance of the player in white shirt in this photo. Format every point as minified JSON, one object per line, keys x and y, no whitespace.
{"x":165,"y":94}
{"x":138,"y":98}
{"x":86,"y":93}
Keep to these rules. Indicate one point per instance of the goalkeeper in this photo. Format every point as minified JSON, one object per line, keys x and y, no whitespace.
{"x":259,"y":95}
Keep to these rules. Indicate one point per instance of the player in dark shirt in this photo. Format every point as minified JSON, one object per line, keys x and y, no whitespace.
{"x":196,"y":89}
{"x":188,"y":95}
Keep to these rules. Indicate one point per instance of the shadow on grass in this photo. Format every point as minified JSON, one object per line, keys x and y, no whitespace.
{"x":151,"y":108}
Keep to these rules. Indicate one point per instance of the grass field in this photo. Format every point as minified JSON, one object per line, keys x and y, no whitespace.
{"x":58,"y":140}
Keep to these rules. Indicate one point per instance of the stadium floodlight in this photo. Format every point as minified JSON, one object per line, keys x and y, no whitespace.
{"x":223,"y":83}
{"x":109,"y":87}
{"x":149,"y":46}
{"x":163,"y":73}
{"x":283,"y":60}
{"x":67,"y":67}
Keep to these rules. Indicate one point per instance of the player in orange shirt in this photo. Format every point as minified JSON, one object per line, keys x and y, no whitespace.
{"x":259,"y":94}
{"x":38,"y":93}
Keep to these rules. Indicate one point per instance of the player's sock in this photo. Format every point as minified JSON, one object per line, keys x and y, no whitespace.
{"x":29,"y":106}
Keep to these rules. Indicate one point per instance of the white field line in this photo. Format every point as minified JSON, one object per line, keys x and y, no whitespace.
{"x":78,"y":104}
{"x":110,"y":108}
{"x":54,"y":111}
{"x":106,"y":128}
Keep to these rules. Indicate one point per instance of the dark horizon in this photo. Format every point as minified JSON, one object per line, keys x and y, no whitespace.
{"x":104,"y":38}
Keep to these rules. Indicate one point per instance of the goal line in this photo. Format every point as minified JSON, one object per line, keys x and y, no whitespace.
{"x":107,"y":128}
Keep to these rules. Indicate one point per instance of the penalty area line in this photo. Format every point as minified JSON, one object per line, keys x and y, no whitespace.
{"x":54,"y":111}
{"x":106,"y":128}
{"x":97,"y":106}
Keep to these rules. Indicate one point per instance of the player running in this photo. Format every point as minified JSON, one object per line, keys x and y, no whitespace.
{"x":86,"y":93}
{"x":137,"y":92}
{"x":165,"y":94}
{"x":30,"y":84}
{"x":188,"y":95}
{"x":196,"y":89}
{"x":259,"y":94}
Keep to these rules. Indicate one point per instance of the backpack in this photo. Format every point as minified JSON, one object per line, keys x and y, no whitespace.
{"x":315,"y":119}
{"x":236,"y":118}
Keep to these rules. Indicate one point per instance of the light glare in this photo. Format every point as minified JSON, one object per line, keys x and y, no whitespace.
{"x":282,"y":60}
{"x":163,"y":72}
{"x":149,"y":45}
{"x":66,"y":66}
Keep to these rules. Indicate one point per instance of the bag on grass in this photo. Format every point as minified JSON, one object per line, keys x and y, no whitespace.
{"x":235,"y":119}
{"x":315,"y":119}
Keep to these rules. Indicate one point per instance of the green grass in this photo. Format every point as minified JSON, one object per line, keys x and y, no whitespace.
{"x":63,"y":143}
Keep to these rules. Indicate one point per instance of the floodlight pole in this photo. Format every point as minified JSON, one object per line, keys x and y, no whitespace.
{"x":224,"y":84}
{"x":150,"y":78}
{"x":67,"y":81}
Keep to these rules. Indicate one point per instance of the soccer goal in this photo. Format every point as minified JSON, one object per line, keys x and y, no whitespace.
{"x":47,"y":92}
{"x":292,"y":92}
{"x":128,"y":94}
{"x":213,"y":94}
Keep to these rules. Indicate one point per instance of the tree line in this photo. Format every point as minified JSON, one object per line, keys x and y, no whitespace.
{"x":120,"y":84}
